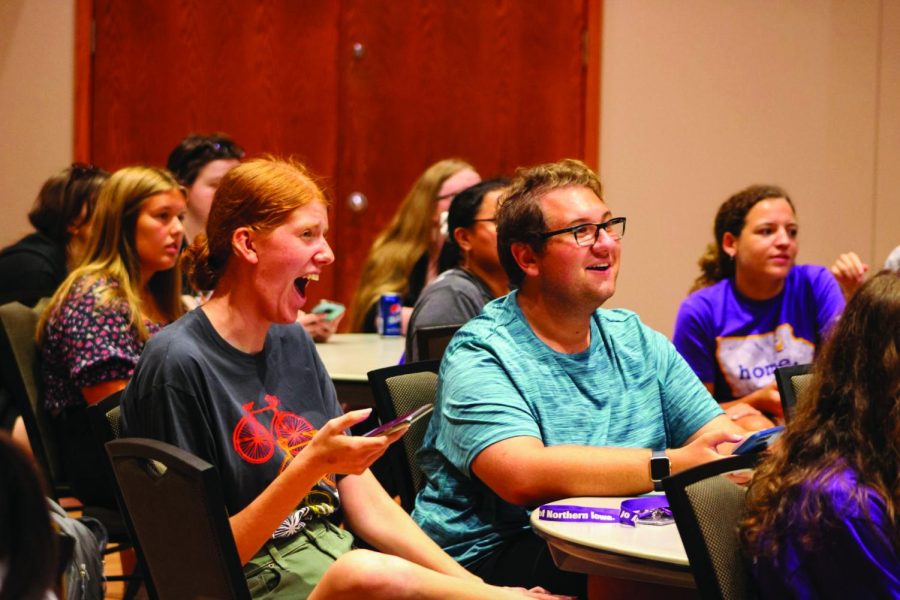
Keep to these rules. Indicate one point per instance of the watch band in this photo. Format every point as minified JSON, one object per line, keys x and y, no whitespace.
{"x":659,"y":469}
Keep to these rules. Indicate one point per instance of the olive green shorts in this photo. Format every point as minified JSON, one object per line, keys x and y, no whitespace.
{"x":291,"y":568}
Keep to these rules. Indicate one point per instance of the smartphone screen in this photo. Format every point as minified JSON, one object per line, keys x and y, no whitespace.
{"x":400,"y":422}
{"x":331,"y":310}
{"x":759,"y":440}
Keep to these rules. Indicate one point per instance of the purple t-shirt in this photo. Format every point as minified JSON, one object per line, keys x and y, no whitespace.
{"x":736,"y":343}
{"x":855,"y":557}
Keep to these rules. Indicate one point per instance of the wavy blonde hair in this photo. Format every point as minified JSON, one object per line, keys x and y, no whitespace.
{"x":112,"y":252}
{"x":402,"y":242}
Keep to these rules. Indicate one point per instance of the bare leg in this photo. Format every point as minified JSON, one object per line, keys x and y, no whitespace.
{"x":366,"y":574}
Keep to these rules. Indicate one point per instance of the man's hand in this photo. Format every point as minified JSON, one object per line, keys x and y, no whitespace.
{"x":704,"y":449}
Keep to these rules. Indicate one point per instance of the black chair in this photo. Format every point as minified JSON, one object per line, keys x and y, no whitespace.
{"x":397,"y":391}
{"x":707,"y":509}
{"x":178,"y":515}
{"x":793,"y":383}
{"x":19,"y":361}
{"x":104,"y":418}
{"x":432,"y":341}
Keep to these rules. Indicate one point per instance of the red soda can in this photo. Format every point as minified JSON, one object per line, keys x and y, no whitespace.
{"x":390,"y":314}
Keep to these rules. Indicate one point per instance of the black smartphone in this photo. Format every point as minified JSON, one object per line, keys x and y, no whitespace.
{"x":759,"y":440}
{"x":400,"y":422}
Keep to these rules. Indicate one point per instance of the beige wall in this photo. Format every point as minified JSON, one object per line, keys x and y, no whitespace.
{"x":36,"y":103}
{"x":701,"y":98}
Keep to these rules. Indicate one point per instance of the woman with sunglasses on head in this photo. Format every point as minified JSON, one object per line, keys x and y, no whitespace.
{"x":127,"y":287}
{"x":404,"y":257}
{"x":33,"y":267}
{"x":471,"y":274}
{"x":238,"y":383}
{"x":752,"y":310}
{"x":822,"y":516}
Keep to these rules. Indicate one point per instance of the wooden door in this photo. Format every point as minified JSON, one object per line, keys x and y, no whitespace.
{"x":499,"y":83}
{"x":367,"y":93}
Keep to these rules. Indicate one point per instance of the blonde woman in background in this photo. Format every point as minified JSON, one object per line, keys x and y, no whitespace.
{"x":95,"y":326}
{"x":404,"y":257}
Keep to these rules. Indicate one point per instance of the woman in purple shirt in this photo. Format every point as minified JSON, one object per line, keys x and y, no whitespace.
{"x":822,"y":518}
{"x":752,"y":309}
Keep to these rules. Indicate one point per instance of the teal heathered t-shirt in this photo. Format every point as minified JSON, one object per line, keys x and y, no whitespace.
{"x":630,"y":388}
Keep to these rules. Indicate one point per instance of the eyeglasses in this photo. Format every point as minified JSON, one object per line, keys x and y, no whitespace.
{"x":586,"y":234}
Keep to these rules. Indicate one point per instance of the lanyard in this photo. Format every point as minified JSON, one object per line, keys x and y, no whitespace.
{"x":650,"y":510}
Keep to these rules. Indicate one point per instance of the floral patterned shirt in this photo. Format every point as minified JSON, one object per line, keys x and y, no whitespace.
{"x":86,"y":343}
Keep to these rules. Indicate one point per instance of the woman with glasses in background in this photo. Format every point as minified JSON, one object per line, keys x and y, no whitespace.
{"x":127,"y":287}
{"x":752,"y":309}
{"x":471,"y":274}
{"x":404,"y":257}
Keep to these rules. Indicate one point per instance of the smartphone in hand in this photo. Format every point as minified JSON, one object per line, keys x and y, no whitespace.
{"x":759,"y":440}
{"x":331,"y":310}
{"x":401,"y":422}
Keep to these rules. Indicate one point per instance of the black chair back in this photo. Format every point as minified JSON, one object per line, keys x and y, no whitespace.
{"x":707,"y":510}
{"x":793,"y":384}
{"x":179,"y":518}
{"x":19,"y":369}
{"x":432,"y":341}
{"x":397,"y":391}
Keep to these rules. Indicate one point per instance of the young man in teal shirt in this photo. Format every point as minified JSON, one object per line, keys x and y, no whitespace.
{"x":544,"y":396}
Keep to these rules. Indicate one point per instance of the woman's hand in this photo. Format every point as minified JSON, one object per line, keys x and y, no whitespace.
{"x":850,"y":272}
{"x":317,"y":325}
{"x":333,"y":451}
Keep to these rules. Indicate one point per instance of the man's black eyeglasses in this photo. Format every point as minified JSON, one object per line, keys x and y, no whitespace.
{"x":586,"y":234}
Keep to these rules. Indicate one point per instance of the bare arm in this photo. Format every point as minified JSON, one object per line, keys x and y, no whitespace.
{"x":95,"y":393}
{"x":375,"y":517}
{"x":747,"y":412}
{"x":330,"y":451}
{"x":524,"y":472}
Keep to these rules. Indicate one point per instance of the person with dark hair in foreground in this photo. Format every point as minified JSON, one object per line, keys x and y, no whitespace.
{"x":28,"y":550}
{"x":238,"y":383}
{"x":822,"y":510}
{"x":546,"y":396}
{"x":471,"y":274}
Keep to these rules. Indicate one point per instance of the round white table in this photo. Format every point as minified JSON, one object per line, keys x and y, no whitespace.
{"x":348,"y":357}
{"x":646,"y":553}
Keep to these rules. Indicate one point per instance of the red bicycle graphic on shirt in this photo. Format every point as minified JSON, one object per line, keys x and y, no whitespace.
{"x":255,"y":442}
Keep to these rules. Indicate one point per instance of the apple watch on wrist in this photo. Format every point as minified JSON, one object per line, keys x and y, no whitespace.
{"x":659,"y":469}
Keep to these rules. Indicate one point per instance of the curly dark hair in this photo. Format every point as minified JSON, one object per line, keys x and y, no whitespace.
{"x":850,"y":419}
{"x":715,"y":264}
